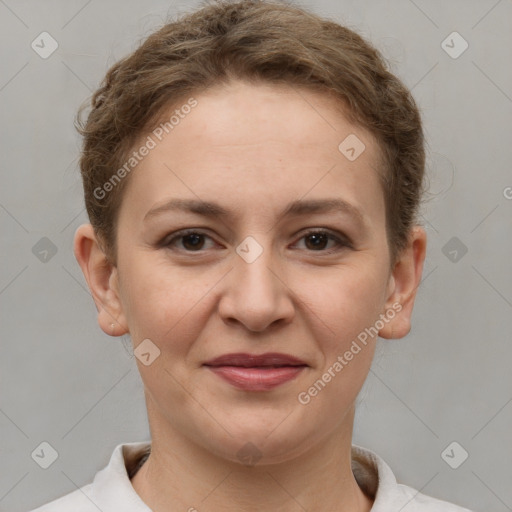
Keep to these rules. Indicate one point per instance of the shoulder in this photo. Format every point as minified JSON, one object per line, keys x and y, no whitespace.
{"x":415,"y":501}
{"x":111,"y":488}
{"x":377,"y":479}
{"x":78,"y":501}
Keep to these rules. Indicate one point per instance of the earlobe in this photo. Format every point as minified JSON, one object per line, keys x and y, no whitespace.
{"x":403,"y":285}
{"x":102,"y":279}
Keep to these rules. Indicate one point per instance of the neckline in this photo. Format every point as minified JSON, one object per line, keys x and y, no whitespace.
{"x":138,"y":464}
{"x":364,"y":472}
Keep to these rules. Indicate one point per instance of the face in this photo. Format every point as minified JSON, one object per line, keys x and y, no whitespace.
{"x":254,"y":276}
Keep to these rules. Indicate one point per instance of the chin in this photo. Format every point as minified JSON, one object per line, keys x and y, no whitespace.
{"x":252,"y":444}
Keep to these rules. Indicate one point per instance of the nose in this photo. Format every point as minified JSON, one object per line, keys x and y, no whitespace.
{"x":256,"y":294}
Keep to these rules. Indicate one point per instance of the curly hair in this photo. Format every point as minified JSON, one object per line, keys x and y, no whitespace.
{"x":254,"y":40}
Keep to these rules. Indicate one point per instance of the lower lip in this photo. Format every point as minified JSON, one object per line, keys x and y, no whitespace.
{"x":256,"y":379}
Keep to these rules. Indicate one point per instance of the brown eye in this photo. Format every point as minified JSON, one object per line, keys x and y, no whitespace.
{"x":193,"y":241}
{"x":318,"y":240}
{"x":188,"y":241}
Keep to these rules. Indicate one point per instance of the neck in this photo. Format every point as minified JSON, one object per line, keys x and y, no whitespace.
{"x":180,"y":475}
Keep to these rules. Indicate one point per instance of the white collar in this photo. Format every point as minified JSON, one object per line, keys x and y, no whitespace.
{"x":112,"y":490}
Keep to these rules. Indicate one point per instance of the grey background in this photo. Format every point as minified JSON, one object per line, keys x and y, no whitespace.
{"x":65,"y":382}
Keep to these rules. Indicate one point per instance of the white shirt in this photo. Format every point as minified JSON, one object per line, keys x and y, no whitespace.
{"x":112,"y":491}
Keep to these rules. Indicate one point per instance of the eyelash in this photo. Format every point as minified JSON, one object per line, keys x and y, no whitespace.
{"x":342,"y":242}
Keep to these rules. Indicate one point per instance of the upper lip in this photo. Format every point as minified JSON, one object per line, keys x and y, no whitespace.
{"x":252,"y":360}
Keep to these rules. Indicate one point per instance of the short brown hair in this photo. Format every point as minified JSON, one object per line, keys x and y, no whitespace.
{"x":271,"y":41}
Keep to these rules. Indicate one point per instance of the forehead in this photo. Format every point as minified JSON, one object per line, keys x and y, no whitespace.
{"x":260,"y":145}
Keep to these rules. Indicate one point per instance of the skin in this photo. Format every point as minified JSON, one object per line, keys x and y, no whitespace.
{"x":252,"y":148}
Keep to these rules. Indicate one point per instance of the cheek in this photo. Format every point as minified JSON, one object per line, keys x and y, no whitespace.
{"x":162,"y":302}
{"x":345,"y":308}
{"x":343,"y":300}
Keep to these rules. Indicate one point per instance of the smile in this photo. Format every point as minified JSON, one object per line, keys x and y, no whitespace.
{"x":257,"y":378}
{"x":256,"y":372}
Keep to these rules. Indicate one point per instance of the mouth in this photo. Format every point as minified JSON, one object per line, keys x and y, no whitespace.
{"x":270,"y":359}
{"x":252,"y":372}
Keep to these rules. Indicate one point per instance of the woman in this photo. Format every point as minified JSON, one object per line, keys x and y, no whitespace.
{"x":252,"y":174}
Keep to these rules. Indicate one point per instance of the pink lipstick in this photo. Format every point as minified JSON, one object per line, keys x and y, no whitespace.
{"x":253,"y":372}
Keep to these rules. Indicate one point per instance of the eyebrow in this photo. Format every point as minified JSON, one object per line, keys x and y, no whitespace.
{"x":295,"y":208}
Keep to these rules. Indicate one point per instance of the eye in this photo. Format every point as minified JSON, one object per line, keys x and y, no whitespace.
{"x":317,"y":240}
{"x":190,"y":240}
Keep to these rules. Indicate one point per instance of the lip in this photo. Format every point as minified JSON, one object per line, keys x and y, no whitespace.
{"x":253,"y":360}
{"x":256,"y":372}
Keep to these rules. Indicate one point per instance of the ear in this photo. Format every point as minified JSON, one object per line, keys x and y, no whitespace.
{"x":403,"y":284}
{"x":102,"y":279}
